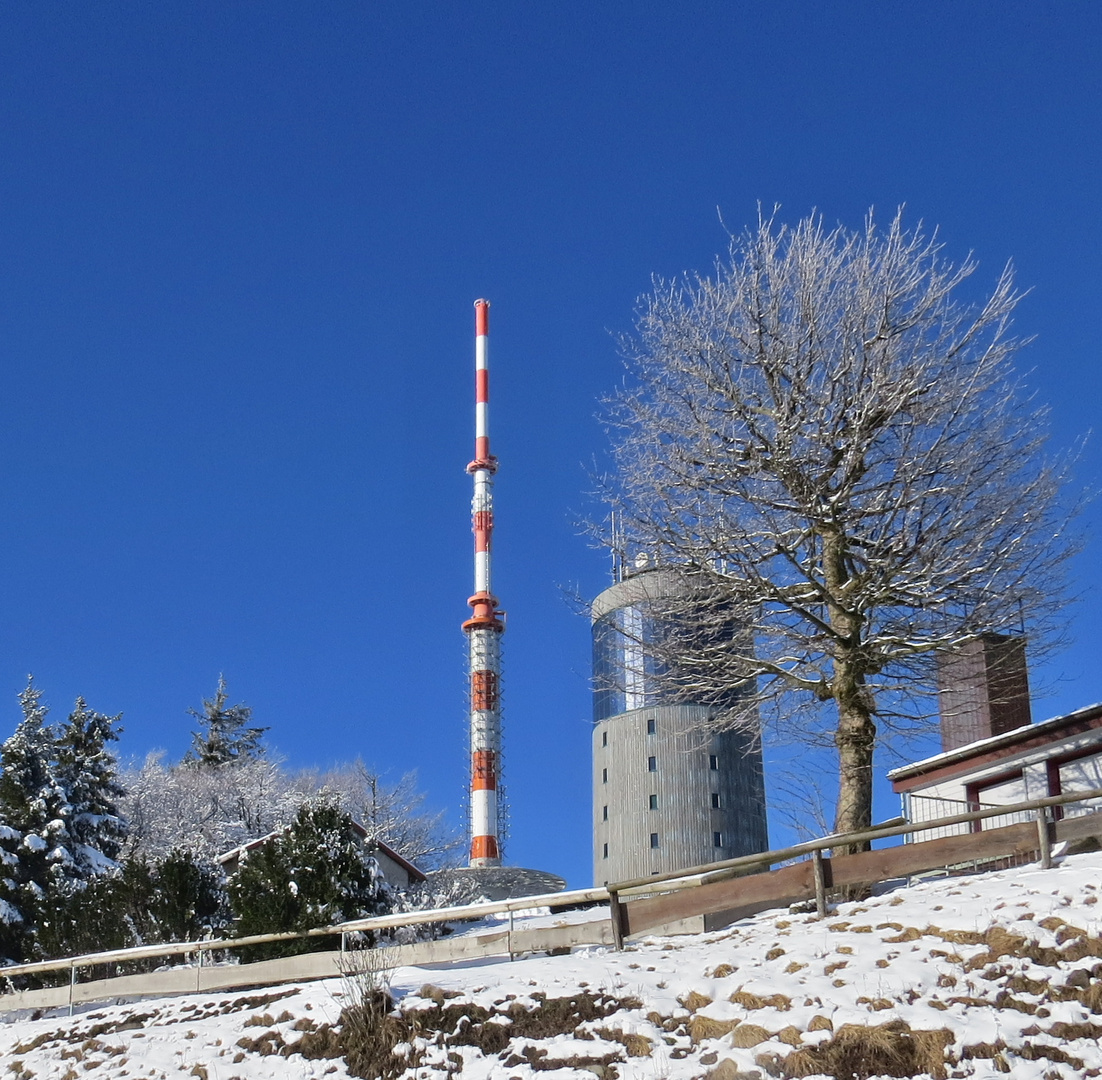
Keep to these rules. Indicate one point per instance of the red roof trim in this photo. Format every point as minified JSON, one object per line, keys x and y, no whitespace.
{"x":986,"y":751}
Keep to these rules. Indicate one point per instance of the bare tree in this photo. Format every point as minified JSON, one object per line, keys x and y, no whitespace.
{"x":210,"y":810}
{"x":836,"y":454}
{"x":207,"y":810}
{"x":393,"y":812}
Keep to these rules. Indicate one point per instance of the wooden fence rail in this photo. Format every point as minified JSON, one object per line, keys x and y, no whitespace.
{"x":734,"y":891}
{"x":716,"y":894}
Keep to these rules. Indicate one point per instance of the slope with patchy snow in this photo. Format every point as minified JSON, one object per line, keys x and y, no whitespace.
{"x":976,"y":976}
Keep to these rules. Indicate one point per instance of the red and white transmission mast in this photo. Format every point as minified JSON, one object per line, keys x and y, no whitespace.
{"x":486,"y":624}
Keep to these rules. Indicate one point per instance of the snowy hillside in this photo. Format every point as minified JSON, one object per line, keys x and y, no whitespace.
{"x":979,"y":976}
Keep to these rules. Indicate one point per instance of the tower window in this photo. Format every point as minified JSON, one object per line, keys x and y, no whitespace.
{"x":604,"y":855}
{"x":717,"y":839}
{"x":604,"y":776}
{"x":713,"y":761}
{"x":715,"y":800}
{"x":652,"y":764}
{"x":604,"y":738}
{"x":604,"y":813}
{"x":651,"y":727}
{"x":654,"y":839}
{"x":652,"y":804}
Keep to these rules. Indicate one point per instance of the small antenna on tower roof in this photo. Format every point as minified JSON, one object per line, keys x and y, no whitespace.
{"x":617,"y":547}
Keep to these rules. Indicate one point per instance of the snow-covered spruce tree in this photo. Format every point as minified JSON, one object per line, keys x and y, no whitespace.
{"x":836,"y":454}
{"x":87,"y":772}
{"x":317,"y":872}
{"x":226,"y":736}
{"x":82,"y":906}
{"x":34,"y":837}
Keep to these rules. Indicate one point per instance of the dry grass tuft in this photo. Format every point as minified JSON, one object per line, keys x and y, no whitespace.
{"x":728,"y":1070}
{"x":747,"y":1035}
{"x":857,"y":1053}
{"x":1001,"y":1056}
{"x":431,"y":992}
{"x":753,"y":1001}
{"x":1069,"y":1032}
{"x":702,"y":1028}
{"x":876,"y":1004}
{"x":721,"y":972}
{"x":693,"y":1001}
{"x":957,"y":937}
{"x":820,"y":1023}
{"x":637,"y":1046}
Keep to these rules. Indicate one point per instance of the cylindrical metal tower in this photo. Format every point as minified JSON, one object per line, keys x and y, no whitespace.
{"x":486,"y":624}
{"x":667,"y":792}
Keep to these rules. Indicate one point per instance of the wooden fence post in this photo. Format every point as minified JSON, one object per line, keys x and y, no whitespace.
{"x":616,"y":914}
{"x":1043,"y":840}
{"x":820,"y":883}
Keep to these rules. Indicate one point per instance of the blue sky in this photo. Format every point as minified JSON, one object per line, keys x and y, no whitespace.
{"x":239,"y":246}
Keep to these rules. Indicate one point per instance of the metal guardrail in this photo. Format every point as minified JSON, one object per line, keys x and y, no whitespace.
{"x":378,"y":922}
{"x":693,"y":877}
{"x":701,"y":875}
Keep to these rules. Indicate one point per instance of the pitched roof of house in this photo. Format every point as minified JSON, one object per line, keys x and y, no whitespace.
{"x":385,"y":848}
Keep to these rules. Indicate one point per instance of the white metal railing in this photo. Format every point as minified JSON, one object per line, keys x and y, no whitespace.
{"x":378,"y":922}
{"x":693,"y":877}
{"x":923,"y":808}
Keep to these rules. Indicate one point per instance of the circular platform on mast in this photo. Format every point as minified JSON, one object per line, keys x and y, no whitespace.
{"x":469,"y":884}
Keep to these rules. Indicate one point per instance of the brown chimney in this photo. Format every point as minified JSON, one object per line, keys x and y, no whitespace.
{"x":983,"y":690}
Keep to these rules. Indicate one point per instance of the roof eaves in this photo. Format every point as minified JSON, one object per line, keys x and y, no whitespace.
{"x":994,"y":742}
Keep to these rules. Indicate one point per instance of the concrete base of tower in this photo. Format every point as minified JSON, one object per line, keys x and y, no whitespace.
{"x":469,"y":884}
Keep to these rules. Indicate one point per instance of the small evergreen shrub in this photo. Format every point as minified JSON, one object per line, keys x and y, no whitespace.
{"x":317,"y":872}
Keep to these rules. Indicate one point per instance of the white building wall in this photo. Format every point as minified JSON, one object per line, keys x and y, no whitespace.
{"x":1015,"y":778}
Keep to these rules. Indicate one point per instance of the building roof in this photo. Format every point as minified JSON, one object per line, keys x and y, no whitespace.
{"x":637,"y":587}
{"x":965,"y":758}
{"x":386,"y":849}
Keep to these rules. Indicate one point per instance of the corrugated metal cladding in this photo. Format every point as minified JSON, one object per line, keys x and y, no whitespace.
{"x":666,"y":793}
{"x":653,"y":817}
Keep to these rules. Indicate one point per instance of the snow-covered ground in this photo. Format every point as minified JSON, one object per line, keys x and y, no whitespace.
{"x":981,"y":976}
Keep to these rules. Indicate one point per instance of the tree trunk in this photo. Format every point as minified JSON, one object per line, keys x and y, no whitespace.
{"x":855,"y":738}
